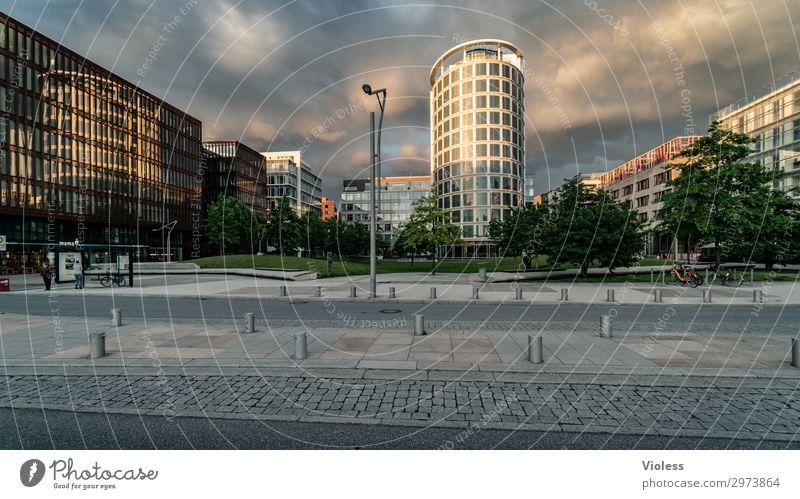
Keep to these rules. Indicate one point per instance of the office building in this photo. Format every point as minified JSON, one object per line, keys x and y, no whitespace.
{"x":771,"y":116}
{"x":236,"y":170}
{"x":328,"y":209}
{"x":590,"y":180}
{"x":288,"y":175}
{"x":397,"y":197}
{"x":478,"y":134}
{"x":89,"y":163}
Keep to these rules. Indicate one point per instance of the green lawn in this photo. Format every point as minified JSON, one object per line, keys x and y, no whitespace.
{"x":344,"y":267}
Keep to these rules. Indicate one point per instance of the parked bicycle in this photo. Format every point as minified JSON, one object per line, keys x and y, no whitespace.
{"x":731,"y":279}
{"x":110,"y":280}
{"x":683,"y":275}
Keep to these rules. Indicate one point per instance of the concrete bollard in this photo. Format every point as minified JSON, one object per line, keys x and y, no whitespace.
{"x":353,"y":292}
{"x":476,"y":293}
{"x":482,"y":274}
{"x":116,"y":317}
{"x":535,"y":349}
{"x":419,"y":325}
{"x":605,"y":326}
{"x":518,"y":295}
{"x":300,"y":345}
{"x":706,"y":296}
{"x":318,"y":291}
{"x":610,"y":296}
{"x":758,"y":296}
{"x":97,"y":345}
{"x":392,"y":293}
{"x":658,"y":296}
{"x":284,"y":291}
{"x":249,"y":322}
{"x":796,"y":352}
{"x":564,"y":295}
{"x":433,"y":293}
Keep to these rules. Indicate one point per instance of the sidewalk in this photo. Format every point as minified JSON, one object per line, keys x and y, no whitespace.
{"x":409,"y":287}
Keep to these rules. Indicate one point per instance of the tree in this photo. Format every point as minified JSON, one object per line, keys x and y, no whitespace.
{"x":587,"y":225}
{"x":283,"y":227}
{"x":313,"y":232}
{"x":517,"y":233}
{"x":721,"y":199}
{"x":232,"y":226}
{"x":428,"y":228}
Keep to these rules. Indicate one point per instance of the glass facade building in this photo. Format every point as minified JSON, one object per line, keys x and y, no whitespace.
{"x":288,"y":175}
{"x":396,"y":203}
{"x":771,"y":115}
{"x":88,"y":159}
{"x":235,"y":170}
{"x":478,"y":134}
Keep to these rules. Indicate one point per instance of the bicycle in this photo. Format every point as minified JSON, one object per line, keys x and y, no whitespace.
{"x":733,"y":281}
{"x":109,"y":280}
{"x":684,"y":275}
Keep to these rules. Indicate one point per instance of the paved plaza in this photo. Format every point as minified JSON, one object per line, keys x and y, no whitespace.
{"x":679,"y":368}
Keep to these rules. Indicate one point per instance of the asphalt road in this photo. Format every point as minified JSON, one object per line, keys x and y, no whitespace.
{"x":37,"y":429}
{"x":715,"y":318}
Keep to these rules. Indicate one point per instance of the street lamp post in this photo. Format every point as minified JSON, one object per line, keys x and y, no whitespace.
{"x":375,"y":156}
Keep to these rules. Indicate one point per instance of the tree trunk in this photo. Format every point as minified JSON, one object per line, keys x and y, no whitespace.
{"x":717,"y":254}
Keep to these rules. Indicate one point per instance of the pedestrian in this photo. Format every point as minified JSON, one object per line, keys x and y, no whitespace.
{"x":77,"y":269}
{"x":47,"y":274}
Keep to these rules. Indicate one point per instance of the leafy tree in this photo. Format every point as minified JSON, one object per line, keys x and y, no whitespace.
{"x":587,"y":225}
{"x":232,"y":226}
{"x":283,"y":227}
{"x":313,"y":232}
{"x":721,"y":199}
{"x":428,"y":228}
{"x":518,"y":232}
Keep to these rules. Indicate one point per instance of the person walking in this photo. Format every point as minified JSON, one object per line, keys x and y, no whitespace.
{"x":77,"y":269}
{"x":47,"y":274}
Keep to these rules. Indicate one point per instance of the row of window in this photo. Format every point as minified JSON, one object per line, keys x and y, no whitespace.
{"x":484,"y":89}
{"x":491,"y":198}
{"x":482,"y":134}
{"x":470,"y":151}
{"x":478,"y":166}
{"x":766,"y":114}
{"x":467,"y":119}
{"x":479,"y":182}
{"x":467,"y":70}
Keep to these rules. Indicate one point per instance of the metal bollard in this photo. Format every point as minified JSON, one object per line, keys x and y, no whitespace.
{"x":300,"y":345}
{"x":116,"y":317}
{"x":476,"y":293}
{"x":658,"y":296}
{"x":610,"y":296}
{"x":97,"y":345}
{"x":535,"y":349}
{"x":284,"y":291}
{"x":651,"y":276}
{"x":706,"y":281}
{"x":433,"y":293}
{"x":392,"y":293}
{"x":605,"y":326}
{"x":249,"y":322}
{"x":419,"y":325}
{"x":564,"y":295}
{"x":482,"y":274}
{"x":758,"y":296}
{"x":318,"y":291}
{"x":518,"y":293}
{"x":796,"y":352}
{"x":706,"y":296}
{"x":751,"y":276}
{"x":353,"y":292}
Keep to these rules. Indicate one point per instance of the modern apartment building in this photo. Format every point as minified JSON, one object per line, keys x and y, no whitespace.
{"x":478,"y":134}
{"x":591,"y":180}
{"x":771,"y":116}
{"x":397,"y":198}
{"x":641,"y":184}
{"x":328,"y":209}
{"x":236,"y":170}
{"x":89,"y":163}
{"x":288,"y":175}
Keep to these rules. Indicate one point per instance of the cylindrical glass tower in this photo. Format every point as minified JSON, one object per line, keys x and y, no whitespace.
{"x":478,"y":134}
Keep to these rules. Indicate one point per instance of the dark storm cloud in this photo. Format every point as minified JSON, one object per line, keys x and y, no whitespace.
{"x":603,"y":80}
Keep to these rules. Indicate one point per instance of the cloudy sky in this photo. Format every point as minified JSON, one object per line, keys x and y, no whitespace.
{"x":606,"y":80}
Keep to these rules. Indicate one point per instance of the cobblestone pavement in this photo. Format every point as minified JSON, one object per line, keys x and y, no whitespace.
{"x":729,"y":408}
